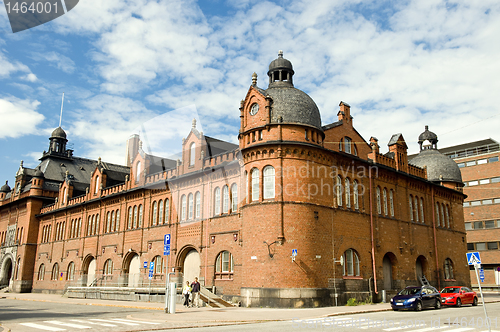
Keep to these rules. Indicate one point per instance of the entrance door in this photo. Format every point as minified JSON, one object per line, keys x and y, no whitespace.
{"x":387,"y":273}
{"x":91,"y":272}
{"x":191,"y":267}
{"x":134,"y":271}
{"x":419,"y":269}
{"x":6,"y":273}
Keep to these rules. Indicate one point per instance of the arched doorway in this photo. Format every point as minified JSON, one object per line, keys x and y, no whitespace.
{"x":6,"y":272}
{"x":89,"y":270}
{"x":132,"y":270}
{"x":389,"y":262}
{"x":191,"y":266}
{"x":420,"y":267}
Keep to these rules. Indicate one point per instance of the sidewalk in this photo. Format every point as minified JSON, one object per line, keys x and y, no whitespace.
{"x":206,"y":316}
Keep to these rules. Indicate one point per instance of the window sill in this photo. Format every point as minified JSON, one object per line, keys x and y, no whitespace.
{"x":352,"y":277}
{"x":449,"y":280}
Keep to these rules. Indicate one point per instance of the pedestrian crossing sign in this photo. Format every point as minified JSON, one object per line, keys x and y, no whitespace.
{"x":473,"y":258}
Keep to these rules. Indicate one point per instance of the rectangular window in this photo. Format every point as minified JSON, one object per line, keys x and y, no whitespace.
{"x":489,"y":224}
{"x":470,"y":163}
{"x":475,"y":203}
{"x":470,"y":246}
{"x":492,"y":245}
{"x":461,"y":165}
{"x":468,"y":226}
{"x":495,"y":180}
{"x":478,"y":225}
{"x":482,"y":161}
{"x":487,"y":201}
{"x":466,"y":203}
{"x":347,"y":145}
{"x":492,"y":159}
{"x":496,"y":200}
{"x":484,"y":181}
{"x":473,"y":183}
{"x":481,"y":246}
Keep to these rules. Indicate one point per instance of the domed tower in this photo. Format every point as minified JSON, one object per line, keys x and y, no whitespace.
{"x":58,"y":141}
{"x":281,"y":142}
{"x":440,"y":168}
{"x":4,"y":190}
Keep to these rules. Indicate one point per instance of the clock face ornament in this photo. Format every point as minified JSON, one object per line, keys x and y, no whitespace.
{"x":254,"y":109}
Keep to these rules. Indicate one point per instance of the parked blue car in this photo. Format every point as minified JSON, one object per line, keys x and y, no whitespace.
{"x":416,"y":298}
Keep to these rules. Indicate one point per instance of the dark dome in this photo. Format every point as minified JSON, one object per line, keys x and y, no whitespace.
{"x":58,"y":133}
{"x":439,"y":166}
{"x":38,"y":173}
{"x":5,"y":188}
{"x":291,"y":105}
{"x":280,"y":63}
{"x":427,"y":136}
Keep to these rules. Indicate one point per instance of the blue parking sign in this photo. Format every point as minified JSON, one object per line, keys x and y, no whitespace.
{"x":166,"y":240}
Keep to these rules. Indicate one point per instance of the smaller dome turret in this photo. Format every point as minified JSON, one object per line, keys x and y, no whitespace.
{"x":58,"y":133}
{"x":5,"y":188}
{"x":427,"y":136}
{"x":280,"y":71}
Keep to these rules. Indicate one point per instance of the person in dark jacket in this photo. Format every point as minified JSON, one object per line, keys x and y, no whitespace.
{"x":195,"y":290}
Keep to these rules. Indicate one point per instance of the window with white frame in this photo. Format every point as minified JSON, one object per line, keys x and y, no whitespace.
{"x":217,"y":201}
{"x":155,"y":211}
{"x":160,"y":212}
{"x":255,"y":184}
{"x":391,"y":202}
{"x":225,"y":199}
{"x":448,"y":269}
{"x":379,"y":203}
{"x":268,"y":182}
{"x":224,"y":266}
{"x":234,"y":197}
{"x":192,"y":154}
{"x":384,"y":197}
{"x":347,"y":193}
{"x":55,"y":272}
{"x":70,"y":275}
{"x":422,"y":219}
{"x":197,"y":198}
{"x":183,"y":207}
{"x":355,"y":195}
{"x":190,"y":206}
{"x":338,"y":190}
{"x":351,"y":263}
{"x":138,"y":171}
{"x":108,"y":267}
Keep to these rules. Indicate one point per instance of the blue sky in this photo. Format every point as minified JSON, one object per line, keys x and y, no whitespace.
{"x":401,"y":65}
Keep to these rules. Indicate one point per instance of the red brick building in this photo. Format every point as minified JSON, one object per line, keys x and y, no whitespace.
{"x":236,"y":213}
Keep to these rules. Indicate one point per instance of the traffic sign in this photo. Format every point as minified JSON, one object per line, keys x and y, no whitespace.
{"x":145,"y":265}
{"x":166,"y":250}
{"x":166,"y":240}
{"x":294,"y":252}
{"x":151,"y":269}
{"x":481,"y":274}
{"x":473,"y":258}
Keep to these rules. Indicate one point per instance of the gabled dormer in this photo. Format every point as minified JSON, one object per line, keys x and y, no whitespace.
{"x":398,"y":147}
{"x":65,"y":190}
{"x":193,"y":150}
{"x":98,"y":179}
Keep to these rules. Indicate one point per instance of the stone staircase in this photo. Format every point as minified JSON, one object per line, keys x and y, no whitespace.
{"x":213,"y":300}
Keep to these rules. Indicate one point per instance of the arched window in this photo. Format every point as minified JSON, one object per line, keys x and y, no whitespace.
{"x":65,"y":193}
{"x":108,"y":222}
{"x":41,"y":272}
{"x":96,"y":225}
{"x":138,"y":171}
{"x":448,"y":269}
{"x":183,"y":207}
{"x":55,"y":272}
{"x":225,"y":199}
{"x":96,"y":189}
{"x":113,"y":221}
{"x":167,"y":210}
{"x":379,"y":204}
{"x":340,"y":144}
{"x":268,"y":182}
{"x":347,"y":144}
{"x":415,"y":200}
{"x":384,"y":197}
{"x":422,"y":210}
{"x":155,"y":211}
{"x":224,"y":266}
{"x":197,"y":198}
{"x":70,"y":275}
{"x":160,"y":212}
{"x":355,"y":195}
{"x":190,"y":206}
{"x":117,"y":224}
{"x":79,"y":227}
{"x":141,"y":213}
{"x":234,"y":197}
{"x":158,"y":265}
{"x":134,"y":225}
{"x":442,"y":216}
{"x":437,"y":214}
{"x":347,"y":193}
{"x":351,"y":263}
{"x":89,"y":226}
{"x":108,"y":267}
{"x":192,"y":154}
{"x":338,"y":190}
{"x":217,"y":201}
{"x":255,"y":184}
{"x":446,"y":211}
{"x":410,"y":200}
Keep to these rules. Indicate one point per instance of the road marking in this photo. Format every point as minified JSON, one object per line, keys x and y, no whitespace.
{"x":113,"y":321}
{"x":134,"y":321}
{"x":76,"y":326}
{"x":42,"y":327}
{"x":84,"y":321}
{"x":430,"y":329}
{"x":461,"y":329}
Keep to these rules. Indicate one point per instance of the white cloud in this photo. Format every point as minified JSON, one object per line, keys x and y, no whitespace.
{"x":30,"y":77}
{"x":19,"y":117}
{"x":7,"y":67}
{"x":57,"y":60}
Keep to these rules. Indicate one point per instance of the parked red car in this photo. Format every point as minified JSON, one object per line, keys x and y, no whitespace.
{"x":458,"y":295}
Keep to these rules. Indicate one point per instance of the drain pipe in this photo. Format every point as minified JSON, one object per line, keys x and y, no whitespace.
{"x":371,"y":230}
{"x":435,"y":239}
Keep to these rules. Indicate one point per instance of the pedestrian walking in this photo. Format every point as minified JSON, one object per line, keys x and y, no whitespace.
{"x":186,"y":291}
{"x":195,"y":290}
